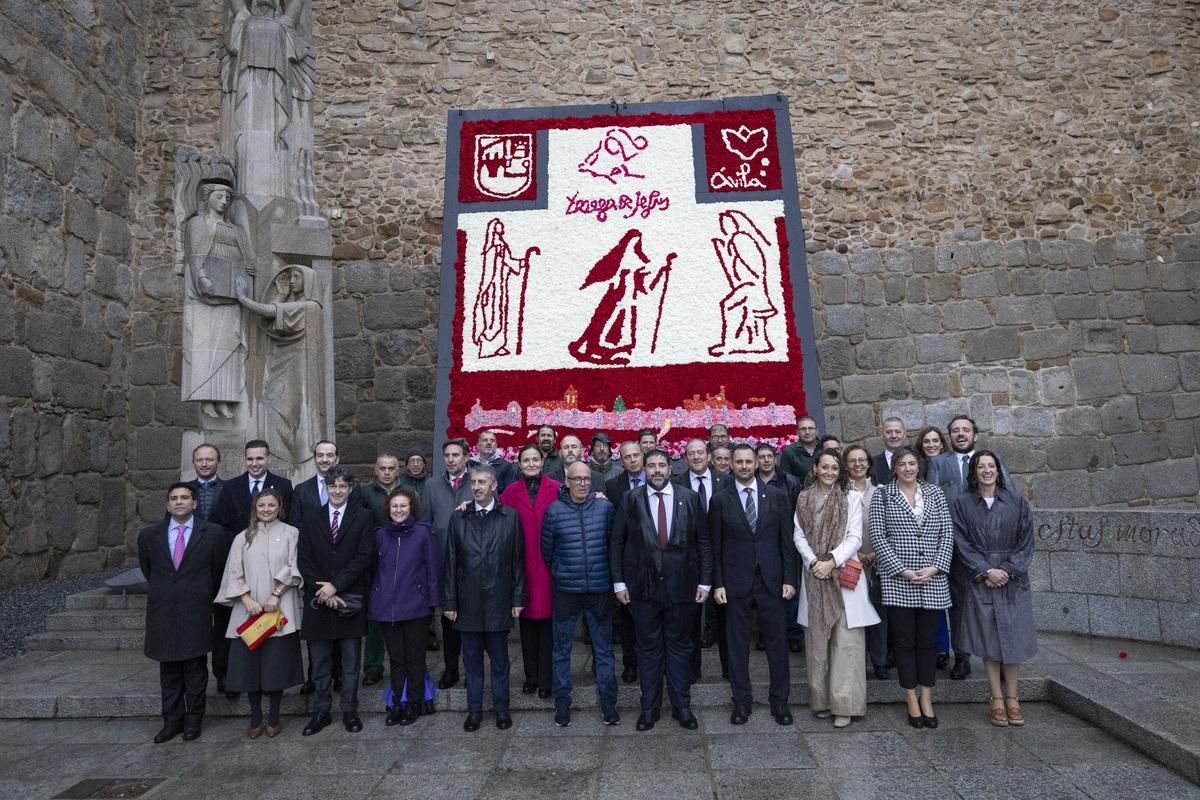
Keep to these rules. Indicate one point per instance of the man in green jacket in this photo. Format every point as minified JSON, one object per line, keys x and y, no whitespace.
{"x":415,"y":475}
{"x":797,"y":458}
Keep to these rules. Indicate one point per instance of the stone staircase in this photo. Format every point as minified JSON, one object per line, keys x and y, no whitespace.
{"x":94,"y":620}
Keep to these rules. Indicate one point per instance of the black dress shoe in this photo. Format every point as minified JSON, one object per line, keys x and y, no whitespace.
{"x":315,"y":724}
{"x":410,"y":714}
{"x":544,"y":694}
{"x":395,"y":714}
{"x":370,"y":679}
{"x":707,"y":641}
{"x":686,"y":718}
{"x":740,"y":715}
{"x":916,"y":722}
{"x":646,"y":720}
{"x":191,"y":733}
{"x":781,"y":713}
{"x":529,"y":687}
{"x":930,"y":722}
{"x":942,"y":660}
{"x":503,"y":720}
{"x":352,"y":723}
{"x":448,"y":679}
{"x":882,"y":673}
{"x":630,"y":675}
{"x":167,"y":733}
{"x":960,"y":670}
{"x":308,"y":687}
{"x":471,"y":723}
{"x":795,"y":645}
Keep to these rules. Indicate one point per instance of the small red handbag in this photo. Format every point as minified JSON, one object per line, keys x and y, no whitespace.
{"x":850,"y":573}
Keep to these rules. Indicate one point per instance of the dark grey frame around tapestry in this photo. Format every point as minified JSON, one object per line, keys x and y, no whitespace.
{"x":801,"y":301}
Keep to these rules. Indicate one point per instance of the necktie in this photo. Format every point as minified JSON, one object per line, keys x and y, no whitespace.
{"x":334,"y":527}
{"x":635,"y":483}
{"x":703,"y":493}
{"x":455,"y":482}
{"x":254,"y":490}
{"x":324,"y":494}
{"x":663,"y":533}
{"x":483,"y":512}
{"x":751,"y":510}
{"x":177,"y":556}
{"x":965,"y":461}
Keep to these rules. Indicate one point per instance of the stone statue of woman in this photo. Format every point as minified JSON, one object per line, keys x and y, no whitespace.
{"x":214,"y":347}
{"x":292,"y":402}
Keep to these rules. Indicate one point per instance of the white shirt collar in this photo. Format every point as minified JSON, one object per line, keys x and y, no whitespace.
{"x":666,"y":490}
{"x":488,"y":508}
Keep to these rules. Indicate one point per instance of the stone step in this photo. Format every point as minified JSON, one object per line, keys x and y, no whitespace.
{"x":110,"y":620}
{"x":57,"y":640}
{"x":99,"y":599}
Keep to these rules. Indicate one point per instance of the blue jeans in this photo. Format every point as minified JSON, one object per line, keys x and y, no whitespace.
{"x":496,"y":645}
{"x":597,"y":612}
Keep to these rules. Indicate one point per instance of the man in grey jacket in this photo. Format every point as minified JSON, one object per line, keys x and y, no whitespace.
{"x":444,"y":493}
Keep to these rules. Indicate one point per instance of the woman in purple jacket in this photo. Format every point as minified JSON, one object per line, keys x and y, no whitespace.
{"x":404,"y":597}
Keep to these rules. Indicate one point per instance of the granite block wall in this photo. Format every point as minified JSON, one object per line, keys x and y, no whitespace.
{"x":70,"y":102}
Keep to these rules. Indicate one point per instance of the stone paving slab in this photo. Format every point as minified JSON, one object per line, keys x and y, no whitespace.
{"x":1054,"y":756}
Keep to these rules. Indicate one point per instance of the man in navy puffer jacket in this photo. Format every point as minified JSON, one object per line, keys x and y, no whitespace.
{"x":575,"y":548}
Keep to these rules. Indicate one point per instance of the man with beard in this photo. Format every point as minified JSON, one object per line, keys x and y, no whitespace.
{"x":755,"y":569}
{"x":948,"y":471}
{"x":571,"y":451}
{"x":661,"y":564}
{"x":600,"y":459}
{"x":551,"y":460}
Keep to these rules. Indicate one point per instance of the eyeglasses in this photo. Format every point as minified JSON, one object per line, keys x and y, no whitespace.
{"x":580,"y":480}
{"x":857,"y":461}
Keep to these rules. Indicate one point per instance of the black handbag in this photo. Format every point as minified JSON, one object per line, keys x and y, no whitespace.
{"x":354,"y":605}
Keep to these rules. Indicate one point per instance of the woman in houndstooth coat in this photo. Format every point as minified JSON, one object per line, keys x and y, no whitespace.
{"x":913,"y":537}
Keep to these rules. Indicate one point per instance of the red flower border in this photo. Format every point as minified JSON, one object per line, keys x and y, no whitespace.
{"x":649,"y":387}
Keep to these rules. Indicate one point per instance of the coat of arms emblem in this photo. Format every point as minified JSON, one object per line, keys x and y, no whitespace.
{"x":504,"y":164}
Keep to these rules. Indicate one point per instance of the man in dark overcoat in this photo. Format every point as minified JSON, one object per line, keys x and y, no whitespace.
{"x":484,"y":590}
{"x":183,"y":559}
{"x":334,"y":553}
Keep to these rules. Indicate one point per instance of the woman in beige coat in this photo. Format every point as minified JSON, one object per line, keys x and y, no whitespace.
{"x":828,"y":533}
{"x":261,"y":575}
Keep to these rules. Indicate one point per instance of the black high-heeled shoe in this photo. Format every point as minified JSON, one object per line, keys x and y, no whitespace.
{"x":916,"y":722}
{"x":930,"y":722}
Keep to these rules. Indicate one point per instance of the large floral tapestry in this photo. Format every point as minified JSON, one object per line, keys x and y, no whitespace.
{"x":620,"y":271}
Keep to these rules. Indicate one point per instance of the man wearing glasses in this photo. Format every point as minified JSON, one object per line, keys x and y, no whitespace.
{"x":575,"y":548}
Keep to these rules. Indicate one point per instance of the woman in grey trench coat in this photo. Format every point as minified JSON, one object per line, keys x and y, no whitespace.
{"x":993,"y":548}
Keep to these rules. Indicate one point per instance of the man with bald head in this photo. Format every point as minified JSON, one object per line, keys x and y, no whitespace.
{"x":571,"y":451}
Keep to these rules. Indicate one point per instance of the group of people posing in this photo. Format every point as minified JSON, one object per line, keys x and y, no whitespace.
{"x":825,"y":549}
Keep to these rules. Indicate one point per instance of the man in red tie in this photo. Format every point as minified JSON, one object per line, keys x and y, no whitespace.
{"x":661,"y":564}
{"x":443,"y":494}
{"x":183,"y":558}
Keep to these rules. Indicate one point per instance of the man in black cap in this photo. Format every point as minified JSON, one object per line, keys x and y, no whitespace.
{"x":600,"y":458}
{"x":414,"y":476}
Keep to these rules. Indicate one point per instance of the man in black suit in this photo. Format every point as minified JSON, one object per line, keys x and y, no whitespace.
{"x":661,"y":563}
{"x":313,"y":493}
{"x":334,"y":552}
{"x":183,"y":559}
{"x":206,"y":460}
{"x":754,"y":568}
{"x":789,"y":485}
{"x":701,"y":478}
{"x":232,"y":512}
{"x":893,"y":439}
{"x":632,"y":476}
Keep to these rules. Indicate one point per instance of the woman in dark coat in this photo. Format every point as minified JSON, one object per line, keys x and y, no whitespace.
{"x":404,"y":595}
{"x":993,"y":548}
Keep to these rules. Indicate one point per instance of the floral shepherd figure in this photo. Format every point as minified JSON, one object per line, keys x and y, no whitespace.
{"x":491,"y":316}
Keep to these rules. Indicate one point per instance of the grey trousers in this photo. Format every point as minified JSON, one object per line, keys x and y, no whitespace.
{"x":321,"y":653}
{"x":840,"y":686}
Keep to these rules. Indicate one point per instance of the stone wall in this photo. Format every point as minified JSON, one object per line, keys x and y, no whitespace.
{"x":70,"y":101}
{"x":1124,"y":574}
{"x":987,"y":189}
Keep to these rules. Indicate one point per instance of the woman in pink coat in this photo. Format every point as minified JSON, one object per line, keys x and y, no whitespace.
{"x":530,"y":496}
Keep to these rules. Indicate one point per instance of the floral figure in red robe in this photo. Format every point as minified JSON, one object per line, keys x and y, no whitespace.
{"x":612,"y":335}
{"x":493,"y":311}
{"x":747,"y":307}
